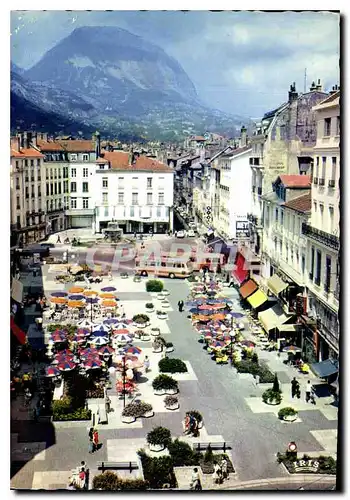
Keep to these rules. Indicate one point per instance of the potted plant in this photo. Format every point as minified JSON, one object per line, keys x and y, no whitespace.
{"x":198,"y":416}
{"x":169,"y":347}
{"x":160,"y":296}
{"x":157,"y":346}
{"x":141,"y":320}
{"x":137,"y":279}
{"x":158,"y":438}
{"x":273,"y":396}
{"x":164,"y":384}
{"x":162,"y":315}
{"x":146,"y":410}
{"x":165,"y":304}
{"x":124,"y":275}
{"x":155,"y":332}
{"x":171,"y":403}
{"x":135,"y":410}
{"x":129,"y":414}
{"x":145,"y":336}
{"x":149,"y":307}
{"x":288,"y":414}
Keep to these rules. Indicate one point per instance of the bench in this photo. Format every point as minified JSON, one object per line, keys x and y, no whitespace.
{"x":219,"y":445}
{"x":118,"y":465}
{"x":102,"y":414}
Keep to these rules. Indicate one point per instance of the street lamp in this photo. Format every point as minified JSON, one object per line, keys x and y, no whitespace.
{"x":124,"y":379}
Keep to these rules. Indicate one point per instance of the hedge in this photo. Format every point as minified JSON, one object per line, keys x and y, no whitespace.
{"x":172,"y":365}
{"x":109,"y":481}
{"x":154,"y":286}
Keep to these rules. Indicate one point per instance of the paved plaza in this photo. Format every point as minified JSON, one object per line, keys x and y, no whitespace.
{"x":230,"y":403}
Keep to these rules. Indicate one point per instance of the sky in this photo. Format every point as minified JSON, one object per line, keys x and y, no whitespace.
{"x":240,"y":62}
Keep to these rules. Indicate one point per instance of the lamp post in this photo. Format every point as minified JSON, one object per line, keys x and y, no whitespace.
{"x":93,"y":297}
{"x":124,"y":379}
{"x":232,"y":336}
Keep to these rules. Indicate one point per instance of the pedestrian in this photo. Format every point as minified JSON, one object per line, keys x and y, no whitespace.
{"x":108,"y":403}
{"x":146,"y":364}
{"x":231,"y":284}
{"x":195,"y":481}
{"x":135,"y":235}
{"x":58,"y":239}
{"x":218,"y":268}
{"x":224,"y":471}
{"x":257,"y":380}
{"x":180,"y":305}
{"x":217,"y":473}
{"x":308,"y":391}
{"x":91,"y":440}
{"x":96,"y":440}
{"x":294,"y":384}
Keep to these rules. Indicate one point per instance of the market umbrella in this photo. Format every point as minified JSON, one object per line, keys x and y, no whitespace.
{"x":76,"y":297}
{"x":79,"y":339}
{"x":132,"y":350}
{"x":201,"y":317}
{"x":100,"y":327}
{"x":75,"y":304}
{"x":109,"y":303}
{"x":85,"y":323}
{"x":76,"y":289}
{"x":217,"y":344}
{"x":291,"y":348}
{"x":59,"y":294}
{"x":236,"y":315}
{"x":122,"y":338}
{"x":89,"y":293}
{"x":52,"y":371}
{"x":247,"y":343}
{"x":66,"y":352}
{"x":108,"y":289}
{"x":88,"y":351}
{"x":91,"y":364}
{"x":59,"y":336}
{"x":119,"y":359}
{"x":58,"y":300}
{"x":98,"y":341}
{"x":107,"y":349}
{"x":121,"y":331}
{"x":209,"y":336}
{"x":83,"y":331}
{"x":91,"y":300}
{"x":66,"y":366}
{"x":105,"y":295}
{"x":111,"y":321}
{"x":123,"y":323}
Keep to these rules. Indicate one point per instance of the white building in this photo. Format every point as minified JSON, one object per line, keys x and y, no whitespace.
{"x":323,"y":232}
{"x":133,"y":190}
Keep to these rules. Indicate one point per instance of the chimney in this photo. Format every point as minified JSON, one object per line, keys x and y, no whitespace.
{"x":97,"y":138}
{"x":319,"y":86}
{"x":29,"y":140}
{"x":313,"y":87}
{"x":34,"y":139}
{"x":335,"y":89}
{"x":23,"y":137}
{"x":292,"y":94}
{"x":131,"y":157}
{"x":243,"y":137}
{"x":16,"y":143}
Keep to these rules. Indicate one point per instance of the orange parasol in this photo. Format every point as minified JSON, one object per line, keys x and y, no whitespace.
{"x":75,"y":303}
{"x":58,"y":300}
{"x":76,"y":289}
{"x":200,"y":317}
{"x":105,"y":295}
{"x":218,"y":316}
{"x":89,"y":293}
{"x":109,"y":303}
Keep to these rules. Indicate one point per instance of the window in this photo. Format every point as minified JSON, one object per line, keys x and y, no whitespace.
{"x":281,"y":247}
{"x":282,"y":217}
{"x":132,"y":212}
{"x":120,"y":198}
{"x":134,"y":200}
{"x":317,"y":167}
{"x":55,"y":173}
{"x":59,"y":203}
{"x":323,"y":174}
{"x":59,"y":173}
{"x":121,"y":182}
{"x":331,"y":219}
{"x":85,"y":187}
{"x":312,"y":263}
{"x":73,"y":203}
{"x":85,"y":172}
{"x":73,"y":157}
{"x":327,"y":284}
{"x":287,"y":251}
{"x":18,"y":206}
{"x":321,"y":213}
{"x":149,"y":199}
{"x":149,"y":182}
{"x":59,"y":188}
{"x":275,"y":243}
{"x":159,"y":212}
{"x":327,"y":127}
{"x":26,"y":163}
{"x":160,"y":198}
{"x":106,"y":212}
{"x":337,"y":131}
{"x":276,"y":215}
{"x":47,"y":205}
{"x":65,"y":172}
{"x":104,"y":198}
{"x":47,"y":189}
{"x":292,"y":223}
{"x":17,"y":182}
{"x":19,"y":220}
{"x":27,"y":192}
{"x":85,"y":202}
{"x":105,"y":182}
{"x":55,"y":187}
{"x":38,"y":163}
{"x":85,"y":157}
{"x":73,"y":187}
{"x":292,"y":255}
{"x":32,"y":163}
{"x":73,"y":172}
{"x":315,"y":207}
{"x":331,"y":182}
{"x":318,"y":267}
{"x":65,"y":186}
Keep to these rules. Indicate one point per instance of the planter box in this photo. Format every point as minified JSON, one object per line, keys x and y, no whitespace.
{"x":165,"y":293}
{"x":124,"y":277}
{"x":272,"y":402}
{"x":146,"y":338}
{"x":159,"y":392}
{"x":128,"y":420}
{"x":290,"y":418}
{"x":157,"y":349}
{"x":160,"y":296}
{"x":140,"y":325}
{"x":149,"y":311}
{"x":163,"y":316}
{"x":169,"y":349}
{"x":171,"y":392}
{"x":155,"y":333}
{"x":148,"y":414}
{"x":156,"y":447}
{"x":173,"y":407}
{"x":137,"y":280}
{"x":165,"y":305}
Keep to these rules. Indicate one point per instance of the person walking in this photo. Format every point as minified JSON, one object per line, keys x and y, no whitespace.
{"x":58,"y":239}
{"x":146,"y":364}
{"x":224,"y":471}
{"x":294,"y":385}
{"x":180,"y":305}
{"x":91,"y":440}
{"x":308,"y":391}
{"x":217,"y":473}
{"x":96,"y":440}
{"x":195,"y":480}
{"x":231,"y":284}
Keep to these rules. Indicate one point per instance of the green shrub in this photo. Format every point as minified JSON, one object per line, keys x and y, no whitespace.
{"x":271,"y":395}
{"x":181,"y":453}
{"x":164,"y":382}
{"x":154,"y":286}
{"x":327,"y":464}
{"x":255,"y":358}
{"x":286,"y":412}
{"x":62,"y":410}
{"x":172,"y":365}
{"x":157,"y":471}
{"x":276,"y":384}
{"x":266,"y":377}
{"x":208,"y":455}
{"x":136,"y":409}
{"x":107,"y":481}
{"x":149,"y":305}
{"x":133,"y":485}
{"x":159,"y":436}
{"x":141,"y":318}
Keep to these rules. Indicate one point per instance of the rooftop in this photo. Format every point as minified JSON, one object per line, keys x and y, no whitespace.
{"x":26,"y":153}
{"x":119,"y":160}
{"x":295,"y":181}
{"x":71,"y":146}
{"x":301,"y":204}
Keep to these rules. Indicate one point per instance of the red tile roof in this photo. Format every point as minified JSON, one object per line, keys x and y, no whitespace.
{"x":295,"y":181}
{"x":49,"y":145}
{"x":26,"y":153}
{"x":119,"y":160}
{"x":300,"y":204}
{"x":72,"y":146}
{"x":197,"y":138}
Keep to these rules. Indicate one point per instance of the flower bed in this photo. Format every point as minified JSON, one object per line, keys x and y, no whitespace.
{"x":171,"y":403}
{"x":288,"y":414}
{"x":63,"y":410}
{"x":159,"y":438}
{"x":260,"y":369}
{"x":141,"y":320}
{"x":109,"y":481}
{"x":163,"y":384}
{"x":135,"y":410}
{"x":172,"y":365}
{"x":308,"y":465}
{"x":162,"y":315}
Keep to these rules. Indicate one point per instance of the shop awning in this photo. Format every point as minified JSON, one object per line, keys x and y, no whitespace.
{"x":257,"y":299}
{"x":273,"y":317}
{"x":240,"y":272}
{"x":18,"y":332}
{"x":248,"y":288}
{"x":325,"y":368}
{"x":288,"y":328}
{"x":276,"y":285}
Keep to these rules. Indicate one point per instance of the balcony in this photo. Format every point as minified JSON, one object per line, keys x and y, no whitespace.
{"x":259,"y":191}
{"x":329,"y":240}
{"x":255,"y":161}
{"x":54,"y":210}
{"x":331,"y":184}
{"x":321,"y":182}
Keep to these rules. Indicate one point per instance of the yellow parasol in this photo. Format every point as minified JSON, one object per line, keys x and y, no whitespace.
{"x":90,"y":293}
{"x":75,"y":303}
{"x":109,"y":303}
{"x":58,"y":300}
{"x":76,"y":289}
{"x":105,"y":295}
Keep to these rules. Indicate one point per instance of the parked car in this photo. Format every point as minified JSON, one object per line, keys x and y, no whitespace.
{"x":181,"y":234}
{"x":192,"y":224}
{"x":191,"y":233}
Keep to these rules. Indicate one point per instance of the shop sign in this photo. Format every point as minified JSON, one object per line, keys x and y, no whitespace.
{"x":306,"y":465}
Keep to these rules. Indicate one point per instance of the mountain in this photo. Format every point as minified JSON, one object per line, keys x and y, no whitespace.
{"x":119,"y":82}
